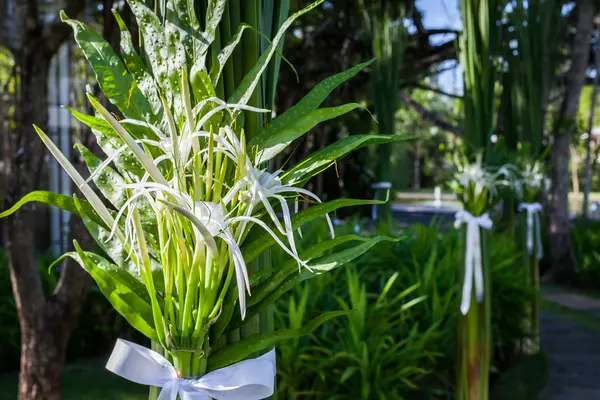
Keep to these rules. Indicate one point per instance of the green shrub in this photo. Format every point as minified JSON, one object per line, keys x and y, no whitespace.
{"x":586,"y":246}
{"x":399,"y":341}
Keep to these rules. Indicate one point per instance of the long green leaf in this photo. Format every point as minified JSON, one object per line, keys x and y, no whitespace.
{"x":110,"y":143}
{"x":291,"y":266}
{"x":155,"y":47}
{"x":124,"y":135}
{"x":242,"y":349}
{"x":305,"y":106}
{"x":319,"y":266}
{"x":276,"y":141}
{"x":323,"y":159}
{"x":332,"y":261}
{"x":217,"y":69}
{"x":137,"y":68}
{"x":116,"y":84}
{"x":214,"y":14}
{"x":108,"y":181}
{"x":87,"y":191}
{"x":61,"y":201}
{"x":115,"y":250}
{"x":123,"y":291}
{"x":177,"y":62}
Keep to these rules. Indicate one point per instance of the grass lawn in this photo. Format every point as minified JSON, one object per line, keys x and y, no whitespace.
{"x":85,"y":380}
{"x":88,"y":380}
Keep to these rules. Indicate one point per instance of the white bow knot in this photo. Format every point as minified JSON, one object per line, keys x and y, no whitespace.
{"x":473,"y":259}
{"x":247,"y":380}
{"x":533,"y":223}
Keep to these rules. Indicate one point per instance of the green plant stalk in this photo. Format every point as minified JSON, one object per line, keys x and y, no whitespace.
{"x":538,"y":26}
{"x":478,"y":45}
{"x":532,"y":321}
{"x":251,"y":46}
{"x":389,"y":43}
{"x":155,"y":391}
{"x":534,"y":276}
{"x":509,"y":215}
{"x":252,"y":13}
{"x":474,"y":333}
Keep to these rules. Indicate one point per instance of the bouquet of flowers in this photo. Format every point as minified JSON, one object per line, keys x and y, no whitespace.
{"x":186,"y":203}
{"x":533,"y":183}
{"x":477,"y":187}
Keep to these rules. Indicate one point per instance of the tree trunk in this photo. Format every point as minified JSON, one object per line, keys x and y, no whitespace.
{"x":588,"y":143}
{"x":43,"y":346}
{"x":574,"y":170}
{"x":46,"y":319}
{"x":561,"y":251}
{"x":417,"y":167}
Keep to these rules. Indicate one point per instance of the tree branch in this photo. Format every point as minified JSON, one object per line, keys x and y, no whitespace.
{"x":415,"y":85}
{"x":440,"y":31}
{"x":430,"y":116}
{"x":419,"y":59}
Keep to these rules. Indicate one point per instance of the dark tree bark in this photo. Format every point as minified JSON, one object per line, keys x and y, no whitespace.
{"x":588,"y":143}
{"x":561,"y":251}
{"x":46,"y":320}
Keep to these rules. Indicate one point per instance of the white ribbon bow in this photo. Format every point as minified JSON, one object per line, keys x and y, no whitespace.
{"x":377,"y":186}
{"x":473,"y":261}
{"x":533,"y":218}
{"x":247,"y":380}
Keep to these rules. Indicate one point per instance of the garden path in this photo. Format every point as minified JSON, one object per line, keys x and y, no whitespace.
{"x":570,"y":337}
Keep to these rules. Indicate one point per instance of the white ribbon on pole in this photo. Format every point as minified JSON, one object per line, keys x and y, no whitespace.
{"x":247,"y":380}
{"x":473,"y":258}
{"x":377,"y":186}
{"x":533,"y":223}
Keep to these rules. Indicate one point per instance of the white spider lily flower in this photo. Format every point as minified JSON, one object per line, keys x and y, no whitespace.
{"x":258,"y":187}
{"x":481,"y":179}
{"x":209,"y":220}
{"x":510,"y":173}
{"x":534,"y":177}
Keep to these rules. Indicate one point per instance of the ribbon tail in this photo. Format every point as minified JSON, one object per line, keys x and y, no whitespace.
{"x":374,"y":207}
{"x":529,"y":231}
{"x":478,"y":267}
{"x":185,"y":395}
{"x":538,"y":232}
{"x":468,"y":277}
{"x":169,"y":391}
{"x":467,"y":288}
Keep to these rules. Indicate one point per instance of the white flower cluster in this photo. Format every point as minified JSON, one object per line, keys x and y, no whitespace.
{"x":534,"y":178}
{"x":214,"y":184}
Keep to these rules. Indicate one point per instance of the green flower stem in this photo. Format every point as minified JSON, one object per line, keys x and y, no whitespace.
{"x":250,"y":46}
{"x":474,"y":334}
{"x":534,"y":279}
{"x":182,"y":361}
{"x":531,"y":345}
{"x":508,"y":214}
